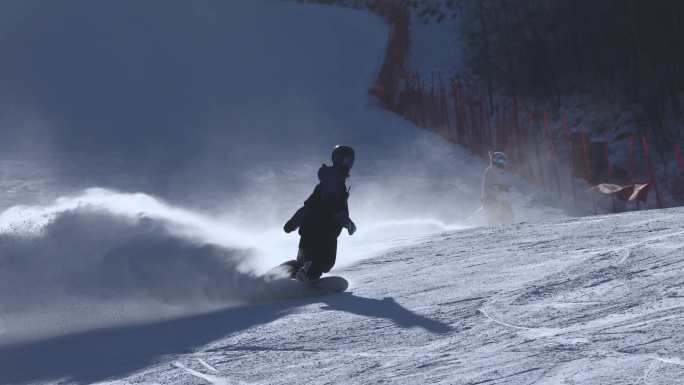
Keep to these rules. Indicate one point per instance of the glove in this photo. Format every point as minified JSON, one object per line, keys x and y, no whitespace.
{"x":290,"y":226}
{"x":351,"y":227}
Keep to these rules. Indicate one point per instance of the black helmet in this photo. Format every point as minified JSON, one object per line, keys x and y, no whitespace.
{"x":343,"y":157}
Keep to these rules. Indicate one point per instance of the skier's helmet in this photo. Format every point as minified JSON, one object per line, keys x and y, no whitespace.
{"x":343,"y":157}
{"x":499,"y":159}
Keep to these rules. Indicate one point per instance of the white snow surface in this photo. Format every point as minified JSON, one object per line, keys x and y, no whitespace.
{"x":596,"y":300}
{"x":109,"y":287}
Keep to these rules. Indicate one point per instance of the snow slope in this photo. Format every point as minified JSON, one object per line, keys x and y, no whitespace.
{"x":225,"y":106}
{"x":101,"y":285}
{"x":226,"y":110}
{"x":595,"y":300}
{"x":242,"y":144}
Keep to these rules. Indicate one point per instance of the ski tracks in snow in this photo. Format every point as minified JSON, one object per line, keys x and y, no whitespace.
{"x":213,"y":379}
{"x":527,"y":331}
{"x":571,"y":302}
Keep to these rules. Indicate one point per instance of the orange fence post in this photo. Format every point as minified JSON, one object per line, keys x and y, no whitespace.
{"x":587,"y":166}
{"x":444,"y":109}
{"x":536,"y":126}
{"x":571,"y":148}
{"x":552,"y":152}
{"x":608,"y":164}
{"x":651,"y":172}
{"x":585,"y":150}
{"x":632,"y":167}
{"x":549,"y":137}
{"x":484,"y":127}
{"x":432,"y":116}
{"x":457,"y":98}
{"x":485,"y":122}
{"x":422,"y":120}
{"x":516,"y":133}
{"x":680,"y":162}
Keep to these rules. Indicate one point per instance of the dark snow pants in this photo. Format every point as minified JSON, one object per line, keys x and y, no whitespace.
{"x":321,"y":252}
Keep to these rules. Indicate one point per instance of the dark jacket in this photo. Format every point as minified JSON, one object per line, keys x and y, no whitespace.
{"x":326,"y":211}
{"x":324,"y":214}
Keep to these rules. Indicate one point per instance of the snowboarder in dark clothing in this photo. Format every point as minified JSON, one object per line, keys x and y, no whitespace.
{"x":321,"y":220}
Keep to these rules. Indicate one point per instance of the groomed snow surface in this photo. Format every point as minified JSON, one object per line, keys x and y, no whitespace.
{"x":582,"y":301}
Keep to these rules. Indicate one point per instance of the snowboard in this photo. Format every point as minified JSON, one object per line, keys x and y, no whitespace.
{"x":282,"y":279}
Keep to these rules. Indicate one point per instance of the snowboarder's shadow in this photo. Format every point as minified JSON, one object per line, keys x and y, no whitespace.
{"x":96,"y":355}
{"x":100,"y":354}
{"x":386,"y":308}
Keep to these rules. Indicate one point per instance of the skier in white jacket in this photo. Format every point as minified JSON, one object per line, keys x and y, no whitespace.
{"x":494,"y":201}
